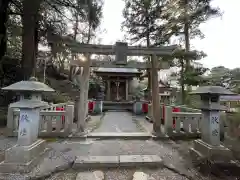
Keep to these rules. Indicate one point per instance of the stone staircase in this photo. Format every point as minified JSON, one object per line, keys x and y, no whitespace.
{"x":114,"y":105}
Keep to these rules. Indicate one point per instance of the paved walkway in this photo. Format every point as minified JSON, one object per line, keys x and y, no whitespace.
{"x":116,"y":121}
{"x":175,"y":155}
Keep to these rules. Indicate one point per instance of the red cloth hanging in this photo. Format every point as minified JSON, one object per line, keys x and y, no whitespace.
{"x":145,"y":107}
{"x":90,"y":106}
{"x":175,"y":109}
{"x":61,"y":109}
{"x":163,"y":114}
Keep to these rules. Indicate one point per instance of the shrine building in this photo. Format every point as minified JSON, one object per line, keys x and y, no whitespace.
{"x":117,"y":82}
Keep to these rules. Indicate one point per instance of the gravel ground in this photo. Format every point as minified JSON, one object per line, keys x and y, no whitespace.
{"x":67,"y":175}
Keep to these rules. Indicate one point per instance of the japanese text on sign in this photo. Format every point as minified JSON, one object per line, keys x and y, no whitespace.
{"x":214,"y":120}
{"x":24,"y":118}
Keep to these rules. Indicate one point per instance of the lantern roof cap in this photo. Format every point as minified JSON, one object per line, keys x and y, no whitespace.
{"x":29,"y":104}
{"x":32,"y":85}
{"x":212,"y":90}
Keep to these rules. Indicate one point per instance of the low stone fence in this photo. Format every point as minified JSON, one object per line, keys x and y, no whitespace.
{"x":55,"y":121}
{"x":180,"y":124}
{"x":186,"y":123}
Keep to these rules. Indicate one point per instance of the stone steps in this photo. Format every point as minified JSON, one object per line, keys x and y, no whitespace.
{"x":121,"y":135}
{"x":99,"y":175}
{"x":127,"y":161}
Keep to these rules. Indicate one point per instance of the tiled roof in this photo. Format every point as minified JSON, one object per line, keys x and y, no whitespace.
{"x":118,"y":70}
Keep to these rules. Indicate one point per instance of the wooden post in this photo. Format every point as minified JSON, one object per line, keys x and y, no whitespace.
{"x":168,"y":121}
{"x":155,"y":96}
{"x":86,"y":84}
{"x":108,"y":90}
{"x":126,"y":90}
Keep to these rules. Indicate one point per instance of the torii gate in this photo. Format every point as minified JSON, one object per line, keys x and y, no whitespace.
{"x":122,"y":50}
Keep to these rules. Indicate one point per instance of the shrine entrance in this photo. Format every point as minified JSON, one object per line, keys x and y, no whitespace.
{"x":117,"y":82}
{"x":118,"y":90}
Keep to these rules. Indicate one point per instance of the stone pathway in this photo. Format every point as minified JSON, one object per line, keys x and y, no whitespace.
{"x":115,"y":121}
{"x":174,"y":156}
{"x":166,"y":150}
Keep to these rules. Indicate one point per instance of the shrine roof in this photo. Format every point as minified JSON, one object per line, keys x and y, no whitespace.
{"x":118,"y":70}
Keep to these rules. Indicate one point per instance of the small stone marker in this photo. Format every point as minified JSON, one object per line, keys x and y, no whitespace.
{"x":96,"y":175}
{"x":140,"y":176}
{"x":99,"y":175}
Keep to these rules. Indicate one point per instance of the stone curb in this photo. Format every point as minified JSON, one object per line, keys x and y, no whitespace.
{"x":92,"y":162}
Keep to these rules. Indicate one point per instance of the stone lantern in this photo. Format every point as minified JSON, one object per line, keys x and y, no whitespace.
{"x":209,"y":146}
{"x":25,"y":154}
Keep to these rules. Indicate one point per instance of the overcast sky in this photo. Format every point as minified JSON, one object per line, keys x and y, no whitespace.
{"x":222,"y":34}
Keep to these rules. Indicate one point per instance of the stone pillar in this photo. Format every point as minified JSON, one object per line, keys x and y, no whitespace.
{"x":108,"y":90}
{"x":126,"y":90}
{"x":155,"y":96}
{"x":209,"y":146}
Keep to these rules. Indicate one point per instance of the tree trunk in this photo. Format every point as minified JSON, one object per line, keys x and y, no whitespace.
{"x":3,"y":29}
{"x":86,"y":87}
{"x":182,"y":81}
{"x":187,"y":39}
{"x":84,"y":84}
{"x":29,"y":48}
{"x":149,"y":87}
{"x":36,"y":38}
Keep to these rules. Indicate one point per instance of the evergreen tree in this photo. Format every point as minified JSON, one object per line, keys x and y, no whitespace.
{"x":143,"y":24}
{"x":183,"y":20}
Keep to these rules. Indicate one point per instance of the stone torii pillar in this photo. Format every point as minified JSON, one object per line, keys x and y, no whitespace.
{"x":155,"y":97}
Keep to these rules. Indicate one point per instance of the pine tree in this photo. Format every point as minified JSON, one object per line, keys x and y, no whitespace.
{"x":143,"y":24}
{"x":183,"y":20}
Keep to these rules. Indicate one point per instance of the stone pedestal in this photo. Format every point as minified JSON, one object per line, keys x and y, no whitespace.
{"x":137,"y":107}
{"x":203,"y":150}
{"x":23,"y":158}
{"x":98,"y":107}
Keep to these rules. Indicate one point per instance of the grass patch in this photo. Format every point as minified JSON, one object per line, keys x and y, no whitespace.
{"x":51,"y":139}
